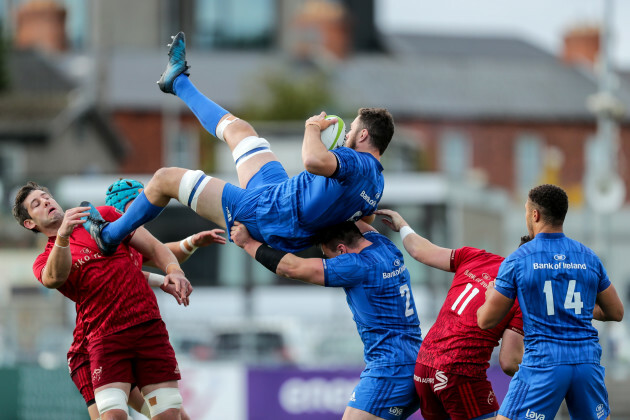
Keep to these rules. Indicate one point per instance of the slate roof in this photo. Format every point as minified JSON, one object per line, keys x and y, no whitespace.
{"x":39,"y":102}
{"x":421,"y":75}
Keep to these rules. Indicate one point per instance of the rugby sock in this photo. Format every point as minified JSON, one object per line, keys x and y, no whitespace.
{"x":139,"y":212}
{"x":208,"y":113}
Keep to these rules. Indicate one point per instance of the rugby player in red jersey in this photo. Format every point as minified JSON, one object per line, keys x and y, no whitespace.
{"x":127,"y":341}
{"x":450,"y":373}
{"x":119,"y":195}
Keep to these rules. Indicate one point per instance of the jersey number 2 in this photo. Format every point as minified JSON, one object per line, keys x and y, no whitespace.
{"x":573,"y":299}
{"x":405,"y":293}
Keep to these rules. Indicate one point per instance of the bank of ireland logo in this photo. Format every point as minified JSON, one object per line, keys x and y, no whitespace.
{"x":486,"y":277}
{"x":559,"y":257}
{"x":397,"y":263}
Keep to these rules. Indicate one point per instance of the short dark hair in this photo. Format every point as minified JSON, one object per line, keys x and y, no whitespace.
{"x":524,"y":240}
{"x":552,"y":203}
{"x":380,"y":126}
{"x":19,"y":210}
{"x":346,"y":233}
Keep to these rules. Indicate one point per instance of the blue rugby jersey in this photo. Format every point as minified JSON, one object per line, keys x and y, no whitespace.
{"x":557,"y":280}
{"x":378,"y":292}
{"x":290,"y":212}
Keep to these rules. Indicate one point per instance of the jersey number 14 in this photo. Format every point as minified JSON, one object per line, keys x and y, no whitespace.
{"x":571,"y":301}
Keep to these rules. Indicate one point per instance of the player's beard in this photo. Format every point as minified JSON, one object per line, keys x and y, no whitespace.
{"x":351,"y":141}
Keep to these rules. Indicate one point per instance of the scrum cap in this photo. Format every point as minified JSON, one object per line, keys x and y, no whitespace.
{"x":121,"y":192}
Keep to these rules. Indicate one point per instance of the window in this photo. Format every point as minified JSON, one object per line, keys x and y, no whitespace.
{"x":234,"y":24}
{"x":455,"y":154}
{"x":528,"y":162}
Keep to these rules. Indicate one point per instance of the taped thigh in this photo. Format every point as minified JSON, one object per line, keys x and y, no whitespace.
{"x":111,"y":399}
{"x":248,"y":148}
{"x":163,"y":399}
{"x":190,"y":187}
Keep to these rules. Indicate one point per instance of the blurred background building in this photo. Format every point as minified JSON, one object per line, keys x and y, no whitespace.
{"x":480,"y":119}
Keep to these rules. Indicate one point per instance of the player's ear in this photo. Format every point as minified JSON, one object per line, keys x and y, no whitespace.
{"x":29,"y":224}
{"x":536,"y":215}
{"x":342,"y":249}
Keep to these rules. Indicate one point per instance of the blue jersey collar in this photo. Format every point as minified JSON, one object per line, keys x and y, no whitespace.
{"x":555,"y":235}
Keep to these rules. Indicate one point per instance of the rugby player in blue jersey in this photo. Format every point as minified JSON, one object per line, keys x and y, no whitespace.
{"x":373,"y":274}
{"x":343,"y":184}
{"x":561,"y":286}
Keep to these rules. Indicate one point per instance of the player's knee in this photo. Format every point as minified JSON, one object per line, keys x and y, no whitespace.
{"x":190,"y":187}
{"x":111,"y":399}
{"x":249,"y":147}
{"x":163,"y":399}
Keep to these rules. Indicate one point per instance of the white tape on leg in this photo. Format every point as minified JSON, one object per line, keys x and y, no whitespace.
{"x":223,"y":125}
{"x":249,"y":147}
{"x":191,"y":186}
{"x":111,"y":399}
{"x":163,"y":399}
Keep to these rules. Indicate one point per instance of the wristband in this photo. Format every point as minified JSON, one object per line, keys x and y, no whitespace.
{"x":312,"y":123}
{"x":182,"y":245}
{"x":155,"y":280}
{"x":59,"y":246}
{"x":269,"y":257}
{"x":404,"y":231}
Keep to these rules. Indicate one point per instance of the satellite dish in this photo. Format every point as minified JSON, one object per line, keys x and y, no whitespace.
{"x":605,"y":193}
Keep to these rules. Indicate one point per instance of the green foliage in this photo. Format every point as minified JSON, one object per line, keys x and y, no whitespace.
{"x":283,"y":96}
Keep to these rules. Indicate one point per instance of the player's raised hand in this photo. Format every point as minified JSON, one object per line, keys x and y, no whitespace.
{"x":240,"y":235}
{"x":71,"y":219}
{"x":321,"y":121}
{"x":392,"y":219}
{"x":171,"y":290}
{"x":208,"y":237}
{"x":178,"y":279}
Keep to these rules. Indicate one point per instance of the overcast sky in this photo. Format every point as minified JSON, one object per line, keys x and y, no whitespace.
{"x":542,"y":22}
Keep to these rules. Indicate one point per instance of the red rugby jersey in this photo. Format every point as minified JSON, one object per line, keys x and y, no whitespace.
{"x":111,"y":292}
{"x":455,"y":343}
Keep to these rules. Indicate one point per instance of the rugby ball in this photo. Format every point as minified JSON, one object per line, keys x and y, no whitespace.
{"x":335,"y":135}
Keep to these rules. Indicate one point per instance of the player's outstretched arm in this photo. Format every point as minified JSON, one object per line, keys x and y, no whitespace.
{"x":511,"y":353}
{"x":421,"y":249}
{"x":309,"y":270}
{"x":315,"y":156}
{"x":59,"y":262}
{"x":152,"y":249}
{"x":608,"y":306}
{"x":494,"y":309}
{"x":187,"y":246}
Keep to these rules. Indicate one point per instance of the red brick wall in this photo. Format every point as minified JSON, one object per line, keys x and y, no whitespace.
{"x":494,"y":145}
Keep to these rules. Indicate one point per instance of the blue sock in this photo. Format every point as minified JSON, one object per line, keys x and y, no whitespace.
{"x":139,"y":212}
{"x":207,"y":112}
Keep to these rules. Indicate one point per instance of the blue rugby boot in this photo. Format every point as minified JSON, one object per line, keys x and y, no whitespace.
{"x":94,"y":225}
{"x":176,"y":63}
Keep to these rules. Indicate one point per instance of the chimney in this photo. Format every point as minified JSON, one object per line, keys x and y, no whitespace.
{"x":581,"y":45}
{"x":41,"y":25}
{"x":322,"y":27}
